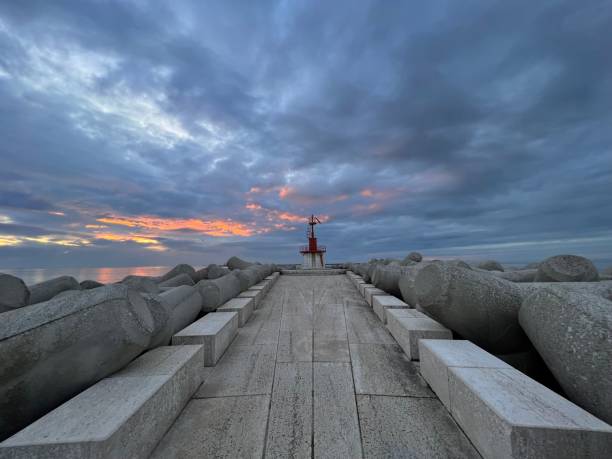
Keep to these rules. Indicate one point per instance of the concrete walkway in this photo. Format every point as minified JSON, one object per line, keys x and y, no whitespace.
{"x":314,"y":373}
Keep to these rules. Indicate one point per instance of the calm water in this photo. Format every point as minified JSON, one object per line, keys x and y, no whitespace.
{"x":104,"y":275}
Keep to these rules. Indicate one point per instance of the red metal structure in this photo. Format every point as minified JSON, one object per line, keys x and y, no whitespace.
{"x":313,"y":253}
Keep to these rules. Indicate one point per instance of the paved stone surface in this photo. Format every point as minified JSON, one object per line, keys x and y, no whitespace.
{"x":297,"y":382}
{"x":410,"y":427}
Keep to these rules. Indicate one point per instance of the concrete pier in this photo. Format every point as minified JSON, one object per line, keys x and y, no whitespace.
{"x":314,"y":373}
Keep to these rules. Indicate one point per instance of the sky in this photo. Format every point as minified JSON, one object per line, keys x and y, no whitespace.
{"x":137,"y":133}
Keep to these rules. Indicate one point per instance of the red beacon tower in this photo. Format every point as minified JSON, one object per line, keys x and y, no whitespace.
{"x":313,"y":254}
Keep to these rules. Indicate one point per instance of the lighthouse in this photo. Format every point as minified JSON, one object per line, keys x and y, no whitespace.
{"x":312,"y":253}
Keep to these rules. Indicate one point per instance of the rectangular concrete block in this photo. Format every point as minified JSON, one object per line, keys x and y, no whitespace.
{"x":362,"y":287}
{"x":243,"y":306}
{"x":370,"y":292}
{"x":407,"y":331}
{"x":506,"y":414}
{"x":438,"y":356}
{"x":121,"y":416}
{"x":381,"y":303}
{"x":214,"y":331}
{"x":255,"y":295}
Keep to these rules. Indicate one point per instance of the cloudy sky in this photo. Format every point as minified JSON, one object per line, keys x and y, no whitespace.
{"x":147,"y":133}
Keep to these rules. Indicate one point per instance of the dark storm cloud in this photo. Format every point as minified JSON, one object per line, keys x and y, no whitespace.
{"x":201,"y":129}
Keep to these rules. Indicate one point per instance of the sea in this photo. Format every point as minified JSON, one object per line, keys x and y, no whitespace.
{"x":105,"y":275}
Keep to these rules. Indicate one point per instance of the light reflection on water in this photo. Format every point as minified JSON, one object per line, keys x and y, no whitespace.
{"x":104,"y":275}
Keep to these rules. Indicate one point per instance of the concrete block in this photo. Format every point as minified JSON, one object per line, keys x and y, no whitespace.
{"x":13,"y":293}
{"x":362,"y":287}
{"x":243,"y":306}
{"x":121,"y":416}
{"x":255,"y":295}
{"x":215,"y":331}
{"x":381,"y":303}
{"x":438,"y":356}
{"x":508,"y":415}
{"x":407,"y":331}
{"x":44,"y":291}
{"x":370,"y":292}
{"x":183,"y":304}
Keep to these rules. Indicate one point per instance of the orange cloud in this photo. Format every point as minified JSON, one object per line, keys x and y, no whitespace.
{"x":285,"y":191}
{"x":126,"y":238}
{"x":216,"y":227}
{"x":274,"y":215}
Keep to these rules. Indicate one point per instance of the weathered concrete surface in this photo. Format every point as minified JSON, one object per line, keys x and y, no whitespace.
{"x":255,"y":295}
{"x":141,"y":284}
{"x":214,"y":332}
{"x":89,"y":284}
{"x":370,"y":292}
{"x":13,"y":293}
{"x":178,"y":269}
{"x":237,"y":263}
{"x":336,"y":424}
{"x":437,"y":356}
{"x":216,"y":271}
{"x":382,"y":303}
{"x":490,"y":265}
{"x":215,"y":292}
{"x":410,"y":427}
{"x":228,"y":427}
{"x":407,"y":331}
{"x":58,"y":348}
{"x":508,"y":415}
{"x":573,"y":333}
{"x":243,"y":306}
{"x":178,"y":280}
{"x":305,"y":366}
{"x":567,"y":268}
{"x":244,"y":370}
{"x":290,"y":422}
{"x":183,"y":303}
{"x":121,"y":416}
{"x":44,"y":291}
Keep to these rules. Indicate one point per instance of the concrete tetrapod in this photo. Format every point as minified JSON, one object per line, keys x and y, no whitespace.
{"x":89,"y":284}
{"x":143,"y":284}
{"x":567,"y":268}
{"x":54,"y":350}
{"x":406,"y":280}
{"x":490,"y":265}
{"x":237,"y":263}
{"x":161,"y":311}
{"x":479,"y":306}
{"x":46,"y":290}
{"x":521,"y":275}
{"x":572,"y":331}
{"x":181,"y":279}
{"x":386,"y":278}
{"x":482,"y":307}
{"x":178,"y":269}
{"x":13,"y":293}
{"x":200,"y":274}
{"x":215,"y":292}
{"x":183,"y":303}
{"x":216,"y":271}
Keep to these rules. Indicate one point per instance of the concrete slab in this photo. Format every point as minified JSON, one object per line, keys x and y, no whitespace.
{"x":383,"y":369}
{"x":362,"y":286}
{"x":263,"y":328}
{"x":290,"y":421}
{"x":215,"y":331}
{"x":329,"y":323}
{"x":294,"y":346}
{"x":121,"y":416}
{"x":243,"y":370}
{"x":331,"y":351}
{"x":256,"y":295}
{"x":381,"y":303}
{"x":299,"y":322}
{"x":243,"y":306}
{"x":407,"y":331}
{"x":410,"y":427}
{"x":437,"y":356}
{"x":508,"y":415}
{"x":336,"y":425}
{"x":364,"y":327}
{"x":370,"y":292}
{"x":217,"y":427}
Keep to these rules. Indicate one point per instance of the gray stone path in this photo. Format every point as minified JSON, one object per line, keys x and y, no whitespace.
{"x":314,"y":373}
